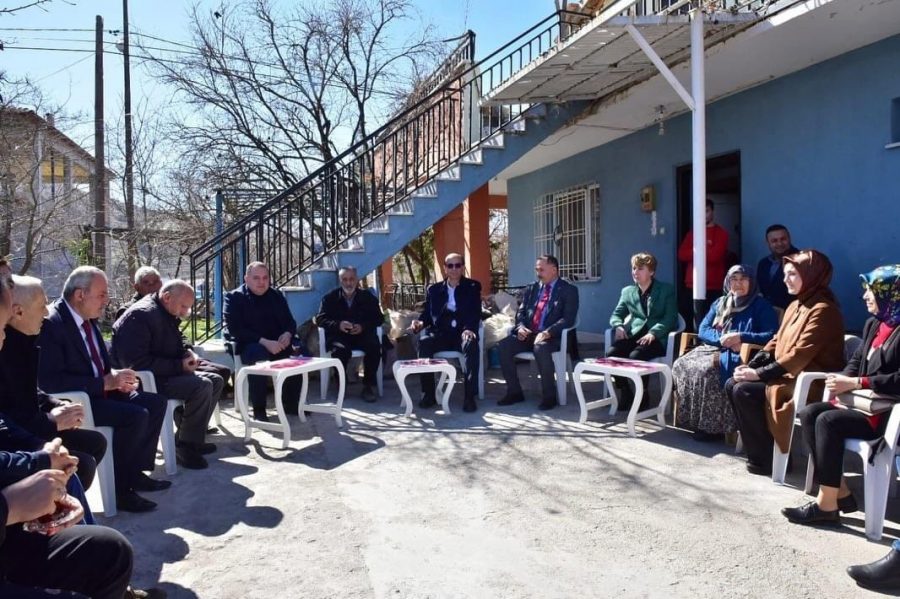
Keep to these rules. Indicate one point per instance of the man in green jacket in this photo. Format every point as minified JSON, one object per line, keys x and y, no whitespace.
{"x":645,"y":315}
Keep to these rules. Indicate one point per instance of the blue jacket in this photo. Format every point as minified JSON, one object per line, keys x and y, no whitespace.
{"x":560,"y":314}
{"x":757,"y":324}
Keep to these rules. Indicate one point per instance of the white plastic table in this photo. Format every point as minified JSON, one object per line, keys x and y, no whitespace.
{"x":404,"y":368}
{"x":281,"y":370}
{"x":631,"y":369}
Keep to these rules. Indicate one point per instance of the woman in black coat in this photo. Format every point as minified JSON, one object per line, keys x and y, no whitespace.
{"x":826,"y":425}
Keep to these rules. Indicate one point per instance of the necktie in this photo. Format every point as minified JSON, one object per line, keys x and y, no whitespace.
{"x":95,"y":356}
{"x":539,"y":308}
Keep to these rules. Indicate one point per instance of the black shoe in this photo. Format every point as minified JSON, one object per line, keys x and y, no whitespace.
{"x":188,"y":457}
{"x":469,"y":405}
{"x":368,"y":395}
{"x":510,"y":399}
{"x":206,"y":448}
{"x":129,"y":501}
{"x":759,"y":469}
{"x":427,"y":401}
{"x":144,"y":483}
{"x":847,"y":504}
{"x":811,"y":513}
{"x":548,"y":404}
{"x":260,"y":415}
{"x":705,"y":437}
{"x":212,"y":430}
{"x":880,"y":575}
{"x":133,"y":593}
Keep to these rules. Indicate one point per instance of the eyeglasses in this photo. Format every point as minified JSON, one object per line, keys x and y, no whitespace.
{"x":454,"y":265}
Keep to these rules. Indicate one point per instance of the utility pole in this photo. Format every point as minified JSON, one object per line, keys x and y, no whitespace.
{"x":99,"y":160}
{"x":129,"y":159}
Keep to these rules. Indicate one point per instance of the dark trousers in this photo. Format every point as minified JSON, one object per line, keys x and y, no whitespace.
{"x":825,"y":428}
{"x":748,"y":400}
{"x":341,"y":347}
{"x":290,"y":398}
{"x":92,"y":560}
{"x":89,"y":447}
{"x":437,"y":340}
{"x":136,"y":419}
{"x":543,"y":355}
{"x":204,"y":365}
{"x":629,"y":348}
{"x":200,"y":392}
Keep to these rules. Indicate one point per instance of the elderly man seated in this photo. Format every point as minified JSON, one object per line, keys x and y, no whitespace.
{"x":350,"y":317}
{"x":148,"y":337}
{"x":74,"y":358}
{"x":146,"y":281}
{"x":261,"y":325}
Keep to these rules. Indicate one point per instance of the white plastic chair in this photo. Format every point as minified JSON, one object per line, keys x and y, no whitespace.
{"x":167,"y":433}
{"x":667,"y":359}
{"x":106,"y":472}
{"x":457,"y":355}
{"x":801,"y":390}
{"x":878,"y":476}
{"x":562,"y":363}
{"x":354,"y":354}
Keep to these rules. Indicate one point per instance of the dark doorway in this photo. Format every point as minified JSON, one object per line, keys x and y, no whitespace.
{"x":723,"y":187}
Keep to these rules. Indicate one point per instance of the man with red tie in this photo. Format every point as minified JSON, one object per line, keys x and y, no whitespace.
{"x":549,"y":306}
{"x":74,"y":358}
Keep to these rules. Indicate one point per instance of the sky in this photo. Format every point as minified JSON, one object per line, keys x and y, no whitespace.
{"x":66,"y":74}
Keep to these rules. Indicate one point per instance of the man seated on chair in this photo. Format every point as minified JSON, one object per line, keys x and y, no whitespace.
{"x":350,"y":316}
{"x":642,"y":320}
{"x":148,"y":337}
{"x":74,"y":358}
{"x":20,"y":399}
{"x":549,"y":305}
{"x":262,"y":327}
{"x":146,"y":281}
{"x":450,"y":322}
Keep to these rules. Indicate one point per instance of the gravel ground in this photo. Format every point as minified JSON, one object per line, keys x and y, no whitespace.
{"x":506,"y":502}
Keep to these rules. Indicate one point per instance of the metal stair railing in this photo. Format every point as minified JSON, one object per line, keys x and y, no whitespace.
{"x":299,"y":227}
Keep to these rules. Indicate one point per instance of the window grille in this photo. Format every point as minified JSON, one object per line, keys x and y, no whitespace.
{"x":566,"y":225}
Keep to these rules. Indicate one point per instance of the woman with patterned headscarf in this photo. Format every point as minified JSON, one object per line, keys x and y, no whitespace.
{"x":875,"y":365}
{"x":741,"y":315}
{"x":811,"y":337}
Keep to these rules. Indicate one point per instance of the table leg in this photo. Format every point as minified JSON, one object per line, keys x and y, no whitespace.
{"x":241,"y":392}
{"x":405,"y":400}
{"x":301,"y":405}
{"x":340,"y":398}
{"x":579,"y":393}
{"x":611,"y":391}
{"x":448,"y":388}
{"x":636,"y":406}
{"x":666,"y":395}
{"x":282,"y":417}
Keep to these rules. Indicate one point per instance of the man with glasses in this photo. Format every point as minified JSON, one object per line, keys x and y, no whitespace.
{"x":548,"y":306}
{"x":450,"y":322}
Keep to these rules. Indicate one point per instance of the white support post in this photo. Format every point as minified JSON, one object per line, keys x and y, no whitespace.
{"x":698,"y":93}
{"x":664,"y":70}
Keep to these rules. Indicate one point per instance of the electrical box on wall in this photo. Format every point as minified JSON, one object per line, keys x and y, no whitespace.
{"x":648,"y":199}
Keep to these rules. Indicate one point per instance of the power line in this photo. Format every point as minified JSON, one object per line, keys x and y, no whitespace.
{"x":65,"y":68}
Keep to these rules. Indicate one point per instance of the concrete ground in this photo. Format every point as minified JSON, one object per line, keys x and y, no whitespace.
{"x":505,"y":502}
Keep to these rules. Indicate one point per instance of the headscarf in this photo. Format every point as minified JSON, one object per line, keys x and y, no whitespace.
{"x":730,"y":304}
{"x":884,"y":282}
{"x":815,"y":271}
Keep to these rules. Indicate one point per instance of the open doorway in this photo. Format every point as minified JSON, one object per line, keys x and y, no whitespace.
{"x":723,"y":187}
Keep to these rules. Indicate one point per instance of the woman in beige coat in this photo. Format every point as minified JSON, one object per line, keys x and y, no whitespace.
{"x":811,"y":337}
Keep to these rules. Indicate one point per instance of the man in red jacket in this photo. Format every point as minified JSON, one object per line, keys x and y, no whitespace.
{"x":716,"y":253}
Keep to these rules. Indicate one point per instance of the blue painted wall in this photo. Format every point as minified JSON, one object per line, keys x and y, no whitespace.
{"x":812,"y":157}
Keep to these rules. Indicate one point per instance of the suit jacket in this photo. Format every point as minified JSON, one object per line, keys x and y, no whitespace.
{"x":883,"y":367}
{"x":772,"y":285}
{"x":363,"y":310}
{"x":811,"y":337}
{"x":468,"y":306}
{"x":559,"y":314}
{"x":661,"y":317}
{"x":250,"y":317}
{"x":65,"y":364}
{"x":147,"y":337}
{"x":20,"y":398}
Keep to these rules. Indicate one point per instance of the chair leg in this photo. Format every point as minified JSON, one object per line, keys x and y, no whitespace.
{"x":876,"y":492}
{"x":167,"y":437}
{"x":560,"y":366}
{"x":106,"y":475}
{"x":810,"y":476}
{"x":779,"y":465}
{"x":380,"y":378}
{"x":324,"y":376}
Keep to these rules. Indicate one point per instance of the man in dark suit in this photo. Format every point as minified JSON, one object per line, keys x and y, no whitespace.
{"x":20,"y":399}
{"x":770,"y":270}
{"x":350,"y":317}
{"x":645,"y":315}
{"x":450,"y":322}
{"x":262,"y":327}
{"x":148,"y":337}
{"x":74,"y":358}
{"x":548,"y":306}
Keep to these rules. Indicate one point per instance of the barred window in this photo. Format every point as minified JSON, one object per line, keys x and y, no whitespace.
{"x":566,"y":225}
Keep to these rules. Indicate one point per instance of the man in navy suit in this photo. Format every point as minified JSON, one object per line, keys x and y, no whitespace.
{"x":450,"y":322}
{"x":74,"y":358}
{"x":549,"y":306}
